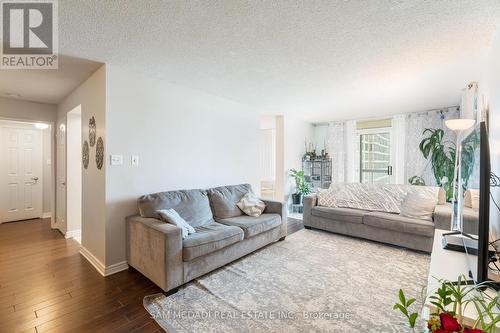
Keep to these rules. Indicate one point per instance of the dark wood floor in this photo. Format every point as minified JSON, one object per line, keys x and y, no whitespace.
{"x":47,"y":286}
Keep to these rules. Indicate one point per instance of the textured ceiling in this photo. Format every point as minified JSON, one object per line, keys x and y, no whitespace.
{"x":322,"y":60}
{"x":46,"y":86}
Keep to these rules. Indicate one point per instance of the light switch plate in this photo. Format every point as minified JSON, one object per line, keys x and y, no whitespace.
{"x":116,"y":159}
{"x":134,"y":160}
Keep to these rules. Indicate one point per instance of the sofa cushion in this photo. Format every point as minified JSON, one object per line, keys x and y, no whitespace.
{"x":442,"y":218}
{"x":192,"y":205}
{"x":253,"y":225}
{"x":417,"y":206}
{"x":223,"y":200}
{"x":399,"y":223}
{"x":340,"y":214}
{"x":209,"y":238}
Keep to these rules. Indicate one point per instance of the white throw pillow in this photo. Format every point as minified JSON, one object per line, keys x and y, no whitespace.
{"x":251,"y":205}
{"x":172,"y":217}
{"x":418,"y":206}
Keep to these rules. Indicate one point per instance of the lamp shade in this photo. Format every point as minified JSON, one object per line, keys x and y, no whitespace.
{"x":459,"y":125}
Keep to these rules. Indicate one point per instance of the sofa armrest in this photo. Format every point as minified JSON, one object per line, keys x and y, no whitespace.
{"x":442,"y":216}
{"x":154,"y":248}
{"x":277,"y":207}
{"x":310,"y":201}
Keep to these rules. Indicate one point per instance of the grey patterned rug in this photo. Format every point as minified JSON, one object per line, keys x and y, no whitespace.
{"x":313,"y":281}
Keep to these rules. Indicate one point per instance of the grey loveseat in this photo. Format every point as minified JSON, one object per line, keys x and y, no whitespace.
{"x":383,"y":227}
{"x":223,"y":233}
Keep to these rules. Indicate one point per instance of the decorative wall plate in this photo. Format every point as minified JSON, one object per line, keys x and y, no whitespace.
{"x":92,"y":131}
{"x":85,"y":154}
{"x":99,"y":153}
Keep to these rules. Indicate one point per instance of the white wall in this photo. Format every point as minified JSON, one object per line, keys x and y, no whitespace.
{"x":48,"y":182}
{"x":184,"y":138}
{"x":23,"y":110}
{"x":296,"y":133}
{"x":320,"y":135}
{"x":492,"y":97}
{"x":91,"y":95}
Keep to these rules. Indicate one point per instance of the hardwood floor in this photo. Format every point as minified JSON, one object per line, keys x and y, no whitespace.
{"x":47,"y":286}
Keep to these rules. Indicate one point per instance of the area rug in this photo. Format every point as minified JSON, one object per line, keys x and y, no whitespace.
{"x":314,"y":281}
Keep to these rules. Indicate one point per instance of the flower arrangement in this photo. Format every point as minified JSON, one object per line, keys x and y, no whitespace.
{"x":450,"y":302}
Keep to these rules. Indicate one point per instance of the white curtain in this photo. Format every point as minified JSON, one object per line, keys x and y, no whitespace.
{"x":336,"y":150}
{"x":416,"y":123}
{"x":341,"y":143}
{"x":470,"y":102}
{"x":351,"y":152}
{"x":398,"y":150}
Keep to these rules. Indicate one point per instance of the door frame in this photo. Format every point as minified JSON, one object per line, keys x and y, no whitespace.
{"x":69,"y":164}
{"x":52,"y":161}
{"x":377,"y":130}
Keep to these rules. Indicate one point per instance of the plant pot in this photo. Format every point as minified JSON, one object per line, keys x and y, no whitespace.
{"x":297,"y":198}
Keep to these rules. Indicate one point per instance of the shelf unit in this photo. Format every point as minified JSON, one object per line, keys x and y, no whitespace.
{"x":318,"y":173}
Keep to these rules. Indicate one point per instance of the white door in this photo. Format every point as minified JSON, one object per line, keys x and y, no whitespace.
{"x":375,"y":156}
{"x":21,"y":173}
{"x":61,"y":179}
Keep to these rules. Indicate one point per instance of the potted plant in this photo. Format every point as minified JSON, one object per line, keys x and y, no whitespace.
{"x":441,"y":154}
{"x":301,"y":186}
{"x":450,"y":301}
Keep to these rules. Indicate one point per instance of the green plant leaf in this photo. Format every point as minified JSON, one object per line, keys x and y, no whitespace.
{"x":402,"y":309}
{"x":402,"y":297}
{"x":413,"y":319}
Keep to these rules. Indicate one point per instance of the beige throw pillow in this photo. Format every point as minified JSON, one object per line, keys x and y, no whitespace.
{"x":471,"y":199}
{"x":251,"y":205}
{"x":418,"y":206}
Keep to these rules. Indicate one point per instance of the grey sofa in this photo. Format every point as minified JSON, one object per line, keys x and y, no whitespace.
{"x":223,"y":233}
{"x":383,"y":227}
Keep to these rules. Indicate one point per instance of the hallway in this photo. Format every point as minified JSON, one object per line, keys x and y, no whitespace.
{"x":47,"y":286}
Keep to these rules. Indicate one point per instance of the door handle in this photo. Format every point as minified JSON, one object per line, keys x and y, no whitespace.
{"x":34,"y":179}
{"x":389,"y":170}
{"x":63,"y":183}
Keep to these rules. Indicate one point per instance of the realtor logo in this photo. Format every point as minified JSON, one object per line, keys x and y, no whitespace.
{"x":29,"y":34}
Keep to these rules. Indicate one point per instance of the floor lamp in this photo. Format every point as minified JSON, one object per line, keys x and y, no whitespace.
{"x":459,"y":126}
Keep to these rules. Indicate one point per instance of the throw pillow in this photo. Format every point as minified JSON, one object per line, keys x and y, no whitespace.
{"x":172,"y":217}
{"x":418,"y":206}
{"x":474,"y":199}
{"x":251,"y":205}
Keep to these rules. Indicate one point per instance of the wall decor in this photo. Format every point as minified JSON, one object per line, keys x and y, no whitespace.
{"x":99,"y":153}
{"x":92,"y":131}
{"x":85,"y":154}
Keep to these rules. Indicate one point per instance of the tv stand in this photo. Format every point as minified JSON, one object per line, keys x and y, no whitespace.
{"x":458,"y":233}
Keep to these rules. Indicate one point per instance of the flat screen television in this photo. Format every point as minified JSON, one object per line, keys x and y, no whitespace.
{"x":483,"y":259}
{"x":477,"y":222}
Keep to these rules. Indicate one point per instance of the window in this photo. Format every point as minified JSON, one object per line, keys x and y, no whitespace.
{"x":375,"y":157}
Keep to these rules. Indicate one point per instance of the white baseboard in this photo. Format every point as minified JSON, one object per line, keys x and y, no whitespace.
{"x":47,"y":215}
{"x":99,"y":266}
{"x":115,"y":268}
{"x":73,"y":234}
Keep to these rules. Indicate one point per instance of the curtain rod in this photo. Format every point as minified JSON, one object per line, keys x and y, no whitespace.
{"x":444,"y":109}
